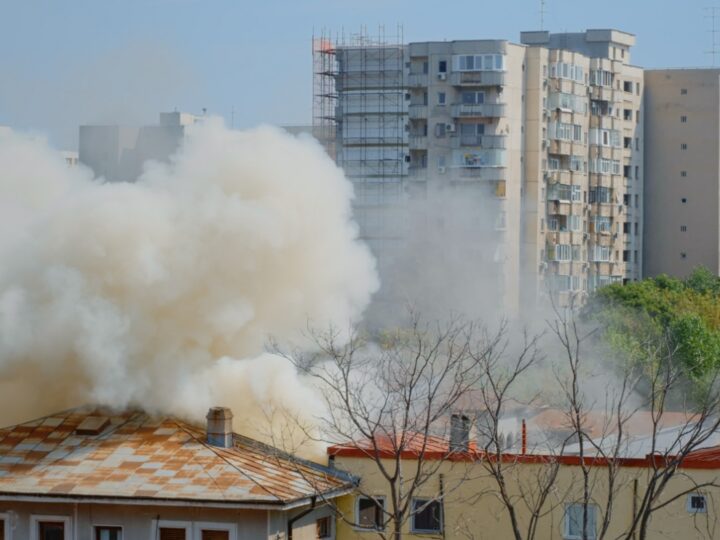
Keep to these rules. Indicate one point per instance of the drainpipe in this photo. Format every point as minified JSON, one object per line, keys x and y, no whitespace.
{"x":301,"y":515}
{"x":524,"y":438}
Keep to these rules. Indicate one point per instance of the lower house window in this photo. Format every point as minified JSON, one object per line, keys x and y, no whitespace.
{"x":696,"y":503}
{"x":171,"y":530}
{"x":4,"y":527}
{"x":214,"y":531}
{"x":427,"y":516}
{"x":573,"y":522}
{"x":370,"y":512}
{"x":108,"y":533}
{"x":323,"y":528}
{"x":50,"y":528}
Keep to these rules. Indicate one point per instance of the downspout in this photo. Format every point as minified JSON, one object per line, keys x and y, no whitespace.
{"x":301,"y":515}
{"x":442,"y":505}
{"x":523,"y":436}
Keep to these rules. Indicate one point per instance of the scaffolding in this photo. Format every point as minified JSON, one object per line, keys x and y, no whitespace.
{"x":360,"y":110}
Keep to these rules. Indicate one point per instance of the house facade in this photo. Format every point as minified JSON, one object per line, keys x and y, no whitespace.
{"x":90,"y":474}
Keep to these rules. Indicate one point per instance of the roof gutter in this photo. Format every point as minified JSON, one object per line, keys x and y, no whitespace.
{"x":182,"y":503}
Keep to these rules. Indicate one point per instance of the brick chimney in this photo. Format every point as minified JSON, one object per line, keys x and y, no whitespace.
{"x":219,"y":427}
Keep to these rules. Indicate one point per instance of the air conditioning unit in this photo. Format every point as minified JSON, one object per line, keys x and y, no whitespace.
{"x":450,"y":128}
{"x":441,"y":170}
{"x":442,"y":76}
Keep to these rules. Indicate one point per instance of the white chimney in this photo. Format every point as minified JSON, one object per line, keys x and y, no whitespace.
{"x":219,"y":427}
{"x":459,"y":433}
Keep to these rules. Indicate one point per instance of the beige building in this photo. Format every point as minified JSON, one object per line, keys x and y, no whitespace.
{"x":461,"y":501}
{"x":519,"y":170}
{"x":682,"y":203}
{"x":94,"y":474}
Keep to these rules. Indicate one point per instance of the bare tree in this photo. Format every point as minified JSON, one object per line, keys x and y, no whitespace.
{"x":390,"y":399}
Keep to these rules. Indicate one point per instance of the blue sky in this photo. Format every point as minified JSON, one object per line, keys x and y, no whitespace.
{"x":63,"y":63}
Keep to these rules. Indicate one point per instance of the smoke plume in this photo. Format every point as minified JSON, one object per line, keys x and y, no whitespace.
{"x":161,"y":294}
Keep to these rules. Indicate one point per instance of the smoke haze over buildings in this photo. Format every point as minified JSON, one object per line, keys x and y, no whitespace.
{"x":162,"y":293}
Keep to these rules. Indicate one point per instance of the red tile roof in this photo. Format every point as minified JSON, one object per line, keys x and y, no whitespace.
{"x":137,"y":456}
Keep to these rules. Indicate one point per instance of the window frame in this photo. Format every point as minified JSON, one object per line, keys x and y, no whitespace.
{"x":428,"y":502}
{"x":157,"y":524}
{"x":95,"y":526}
{"x":592,"y":535}
{"x":198,"y":527}
{"x":5,"y":517}
{"x":329,"y":525}
{"x":692,"y":510}
{"x":36,"y":519}
{"x":376,"y":499}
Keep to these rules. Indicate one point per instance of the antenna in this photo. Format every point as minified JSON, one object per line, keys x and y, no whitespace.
{"x":542,"y":14}
{"x":712,"y":14}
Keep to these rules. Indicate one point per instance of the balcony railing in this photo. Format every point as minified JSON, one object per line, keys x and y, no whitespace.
{"x":469,"y":174}
{"x":417,"y":79}
{"x":483,"y":110}
{"x":418,"y":142}
{"x":482,"y":141}
{"x":477,"y":78}
{"x":417,"y":111}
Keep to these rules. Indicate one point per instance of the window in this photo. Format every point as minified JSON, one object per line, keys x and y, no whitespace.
{"x":696,"y":503}
{"x":683,"y":119}
{"x":171,"y":530}
{"x":637,"y":172}
{"x":683,"y":91}
{"x":214,"y":535}
{"x":637,"y":117}
{"x":427,"y":516}
{"x":575,"y":223}
{"x":573,"y":529}
{"x":441,"y":98}
{"x":50,"y":528}
{"x":683,"y":255}
{"x":683,"y":228}
{"x":600,"y":195}
{"x":369,"y":513}
{"x":4,"y":527}
{"x":108,"y":533}
{"x":683,"y":146}
{"x":323,"y":528}
{"x":442,"y":66}
{"x":637,"y":143}
{"x":425,"y":67}
{"x":637,"y":88}
{"x":627,"y":86}
{"x":683,"y":200}
{"x":683,"y":173}
{"x":577,"y":193}
{"x":563,"y":252}
{"x":479,"y":62}
{"x":472,"y":98}
{"x":603,"y":224}
{"x":172,"y":533}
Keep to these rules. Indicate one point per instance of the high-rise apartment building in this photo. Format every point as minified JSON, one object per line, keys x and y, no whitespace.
{"x":118,"y":153}
{"x":517,"y":166}
{"x":682,"y":160}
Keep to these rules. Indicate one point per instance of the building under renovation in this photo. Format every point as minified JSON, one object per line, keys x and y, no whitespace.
{"x":507,"y":171}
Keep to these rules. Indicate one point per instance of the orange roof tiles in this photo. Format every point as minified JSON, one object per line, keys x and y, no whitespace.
{"x":139,"y":456}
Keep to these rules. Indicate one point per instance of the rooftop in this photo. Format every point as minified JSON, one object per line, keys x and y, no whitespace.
{"x":95,"y":454}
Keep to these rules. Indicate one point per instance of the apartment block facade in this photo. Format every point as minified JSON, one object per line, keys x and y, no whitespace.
{"x":523,"y":161}
{"x":682,"y":204}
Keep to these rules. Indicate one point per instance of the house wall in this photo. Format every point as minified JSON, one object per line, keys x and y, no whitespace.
{"x":138,"y":522}
{"x":472,"y":508}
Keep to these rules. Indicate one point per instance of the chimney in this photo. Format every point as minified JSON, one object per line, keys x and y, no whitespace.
{"x":219,"y":427}
{"x":459,"y":433}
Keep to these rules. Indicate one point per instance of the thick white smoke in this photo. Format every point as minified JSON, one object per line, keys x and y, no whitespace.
{"x":162,"y":293}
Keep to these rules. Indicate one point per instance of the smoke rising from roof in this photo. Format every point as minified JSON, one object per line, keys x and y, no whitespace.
{"x":160,"y":294}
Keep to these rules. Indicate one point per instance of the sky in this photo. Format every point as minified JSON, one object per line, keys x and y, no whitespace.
{"x":71,"y":62}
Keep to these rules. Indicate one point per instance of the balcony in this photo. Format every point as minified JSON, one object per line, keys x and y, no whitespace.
{"x":482,"y":141}
{"x":472,"y":174}
{"x":483,"y":110}
{"x":603,"y":93}
{"x":416,"y":80}
{"x":417,"y":111}
{"x":418,"y":142}
{"x":477,"y":78}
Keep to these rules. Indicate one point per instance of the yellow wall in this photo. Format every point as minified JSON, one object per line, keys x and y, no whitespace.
{"x":472,"y":508}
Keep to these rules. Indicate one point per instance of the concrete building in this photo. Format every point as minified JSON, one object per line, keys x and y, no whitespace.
{"x":117,"y":153}
{"x":94,"y":474}
{"x":682,"y":160}
{"x":508,"y":170}
{"x":461,"y":500}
